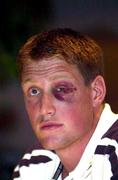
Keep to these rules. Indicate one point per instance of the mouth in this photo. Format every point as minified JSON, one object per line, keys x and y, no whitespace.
{"x":50,"y":126}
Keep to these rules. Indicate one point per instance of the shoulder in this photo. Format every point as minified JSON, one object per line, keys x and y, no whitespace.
{"x":112,"y":132}
{"x":36,"y":156}
{"x":109,"y":141}
{"x":35,"y":163}
{"x":107,"y":150}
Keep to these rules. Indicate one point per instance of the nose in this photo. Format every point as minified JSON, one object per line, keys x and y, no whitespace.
{"x":47,"y":108}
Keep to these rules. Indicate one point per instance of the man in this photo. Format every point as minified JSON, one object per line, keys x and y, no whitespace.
{"x":61,"y":74}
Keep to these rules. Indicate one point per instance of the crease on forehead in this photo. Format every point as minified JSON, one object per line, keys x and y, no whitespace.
{"x":45,"y":68}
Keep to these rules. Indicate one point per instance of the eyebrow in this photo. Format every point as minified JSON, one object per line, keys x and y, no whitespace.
{"x":28,"y":80}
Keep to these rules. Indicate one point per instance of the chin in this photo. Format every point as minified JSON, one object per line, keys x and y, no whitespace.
{"x":50,"y":145}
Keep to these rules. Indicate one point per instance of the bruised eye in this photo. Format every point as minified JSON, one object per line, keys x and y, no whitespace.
{"x":64,"y":92}
{"x":34,"y":92}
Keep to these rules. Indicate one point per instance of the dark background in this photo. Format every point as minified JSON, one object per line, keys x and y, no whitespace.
{"x":21,"y":19}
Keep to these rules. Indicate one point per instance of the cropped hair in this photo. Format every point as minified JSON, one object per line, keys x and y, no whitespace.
{"x":68,"y":45}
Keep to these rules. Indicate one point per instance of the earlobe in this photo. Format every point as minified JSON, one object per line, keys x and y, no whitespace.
{"x":98,"y":90}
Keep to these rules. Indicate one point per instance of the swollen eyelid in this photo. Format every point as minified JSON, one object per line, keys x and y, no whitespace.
{"x":64,"y":92}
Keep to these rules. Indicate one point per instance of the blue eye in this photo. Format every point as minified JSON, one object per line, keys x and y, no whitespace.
{"x":34,"y":92}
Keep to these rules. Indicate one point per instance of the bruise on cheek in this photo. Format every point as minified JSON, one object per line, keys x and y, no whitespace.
{"x":58,"y":96}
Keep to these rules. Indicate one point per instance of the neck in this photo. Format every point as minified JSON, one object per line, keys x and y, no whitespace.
{"x":71,"y":155}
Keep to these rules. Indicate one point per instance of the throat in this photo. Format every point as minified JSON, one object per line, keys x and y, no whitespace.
{"x":71,"y":156}
{"x":70,"y":160}
{"x":64,"y":173}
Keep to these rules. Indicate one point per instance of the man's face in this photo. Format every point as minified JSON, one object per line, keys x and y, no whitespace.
{"x":58,"y":102}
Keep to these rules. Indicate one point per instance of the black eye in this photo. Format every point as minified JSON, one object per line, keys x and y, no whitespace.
{"x":34,"y":92}
{"x":64,"y":89}
{"x":64,"y":92}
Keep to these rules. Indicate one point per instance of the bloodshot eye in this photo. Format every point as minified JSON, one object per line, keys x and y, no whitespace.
{"x":34,"y":91}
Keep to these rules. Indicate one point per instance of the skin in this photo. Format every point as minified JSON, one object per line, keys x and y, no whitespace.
{"x":63,"y":111}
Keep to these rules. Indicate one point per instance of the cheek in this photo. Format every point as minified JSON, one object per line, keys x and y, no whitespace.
{"x":76,"y":112}
{"x":72,"y":114}
{"x":31,"y":107}
{"x":77,"y":121}
{"x":67,"y":111}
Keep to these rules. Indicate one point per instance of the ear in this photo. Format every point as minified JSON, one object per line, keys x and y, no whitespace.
{"x":98,"y":90}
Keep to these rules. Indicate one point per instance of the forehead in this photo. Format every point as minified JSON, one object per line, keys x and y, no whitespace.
{"x":49,"y":68}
